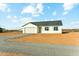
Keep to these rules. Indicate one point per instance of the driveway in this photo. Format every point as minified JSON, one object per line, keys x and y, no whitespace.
{"x":36,"y":49}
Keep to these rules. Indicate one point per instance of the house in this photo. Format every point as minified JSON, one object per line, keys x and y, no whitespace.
{"x":43,"y":27}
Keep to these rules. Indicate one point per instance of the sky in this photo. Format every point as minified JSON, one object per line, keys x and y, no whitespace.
{"x":14,"y":15}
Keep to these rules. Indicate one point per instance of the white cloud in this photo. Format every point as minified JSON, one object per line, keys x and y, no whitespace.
{"x":13,"y":19}
{"x":28,"y":9}
{"x":8,"y":16}
{"x":8,"y":10}
{"x":54,"y":13}
{"x":65,"y":12}
{"x":25,"y":20}
{"x":35,"y":15}
{"x":3,"y":7}
{"x":75,"y":24}
{"x":22,"y":20}
{"x":67,"y":7}
{"x":39,"y":8}
{"x":34,"y":10}
{"x":49,"y":19}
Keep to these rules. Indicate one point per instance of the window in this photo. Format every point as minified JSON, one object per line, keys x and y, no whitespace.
{"x":55,"y":28}
{"x":46,"y":28}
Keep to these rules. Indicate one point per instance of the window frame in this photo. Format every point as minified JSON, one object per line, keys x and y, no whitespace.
{"x":46,"y":28}
{"x":55,"y":28}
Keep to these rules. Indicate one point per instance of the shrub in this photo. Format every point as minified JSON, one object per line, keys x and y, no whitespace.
{"x":1,"y":29}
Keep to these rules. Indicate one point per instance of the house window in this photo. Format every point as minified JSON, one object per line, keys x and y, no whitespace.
{"x":46,"y":28}
{"x":55,"y":28}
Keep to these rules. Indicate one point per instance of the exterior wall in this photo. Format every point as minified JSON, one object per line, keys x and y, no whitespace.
{"x":51,"y":29}
{"x":29,"y":28}
{"x":22,"y":29}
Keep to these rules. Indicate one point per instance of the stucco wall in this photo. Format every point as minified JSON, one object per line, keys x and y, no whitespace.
{"x":51,"y":29}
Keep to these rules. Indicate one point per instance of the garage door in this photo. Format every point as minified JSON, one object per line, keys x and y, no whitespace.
{"x":30,"y":30}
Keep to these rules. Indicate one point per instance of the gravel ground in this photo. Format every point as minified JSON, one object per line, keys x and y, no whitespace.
{"x":37,"y":49}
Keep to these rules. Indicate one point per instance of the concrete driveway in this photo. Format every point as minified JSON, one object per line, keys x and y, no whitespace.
{"x":37,"y":49}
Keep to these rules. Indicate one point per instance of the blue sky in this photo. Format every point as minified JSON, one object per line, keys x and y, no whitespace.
{"x":14,"y":15}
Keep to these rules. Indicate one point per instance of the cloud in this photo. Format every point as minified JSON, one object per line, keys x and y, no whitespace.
{"x":8,"y":10}
{"x":13,"y":19}
{"x":25,"y":20}
{"x":35,"y":15}
{"x":3,"y":7}
{"x":8,"y":16}
{"x":54,"y":13}
{"x":48,"y":19}
{"x":67,"y":7}
{"x":39,"y":8}
{"x":22,"y":20}
{"x":74,"y":24}
{"x":64,"y":13}
{"x":35,"y":10}
{"x":28,"y":9}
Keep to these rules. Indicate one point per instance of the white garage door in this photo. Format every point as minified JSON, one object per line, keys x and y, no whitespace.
{"x":30,"y":30}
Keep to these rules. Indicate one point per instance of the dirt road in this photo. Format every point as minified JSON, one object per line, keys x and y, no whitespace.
{"x":37,"y":49}
{"x":29,"y":48}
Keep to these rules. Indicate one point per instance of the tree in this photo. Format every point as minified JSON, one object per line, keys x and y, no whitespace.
{"x":1,"y":29}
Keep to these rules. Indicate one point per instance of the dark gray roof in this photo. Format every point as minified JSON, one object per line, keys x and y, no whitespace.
{"x":47,"y":23}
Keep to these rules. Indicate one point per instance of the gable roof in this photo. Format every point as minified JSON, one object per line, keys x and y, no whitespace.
{"x":47,"y":23}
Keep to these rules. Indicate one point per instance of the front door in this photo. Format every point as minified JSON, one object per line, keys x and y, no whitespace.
{"x":39,"y":29}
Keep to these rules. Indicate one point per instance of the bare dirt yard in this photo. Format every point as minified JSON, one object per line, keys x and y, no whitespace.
{"x":10,"y":33}
{"x":11,"y":54}
{"x":71,"y":38}
{"x":39,"y":44}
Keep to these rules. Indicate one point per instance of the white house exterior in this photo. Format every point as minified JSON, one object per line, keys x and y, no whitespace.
{"x":43,"y":27}
{"x":29,"y":28}
{"x":51,"y":29}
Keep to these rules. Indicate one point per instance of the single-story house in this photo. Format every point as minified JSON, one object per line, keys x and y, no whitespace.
{"x":43,"y":27}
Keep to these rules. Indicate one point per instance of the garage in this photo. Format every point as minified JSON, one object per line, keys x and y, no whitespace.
{"x":30,"y":30}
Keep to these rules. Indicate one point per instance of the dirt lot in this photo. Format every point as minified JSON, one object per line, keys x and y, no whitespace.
{"x":65,"y":39}
{"x":11,"y":54}
{"x":51,"y":44}
{"x":10,"y":33}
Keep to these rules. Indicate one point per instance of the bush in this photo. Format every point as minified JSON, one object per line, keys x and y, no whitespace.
{"x":1,"y":29}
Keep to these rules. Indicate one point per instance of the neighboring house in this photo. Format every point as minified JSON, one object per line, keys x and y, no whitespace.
{"x":43,"y":27}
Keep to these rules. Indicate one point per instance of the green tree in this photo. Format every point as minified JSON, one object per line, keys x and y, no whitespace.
{"x":1,"y":29}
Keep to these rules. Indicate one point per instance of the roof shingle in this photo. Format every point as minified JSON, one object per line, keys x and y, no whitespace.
{"x":48,"y":23}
